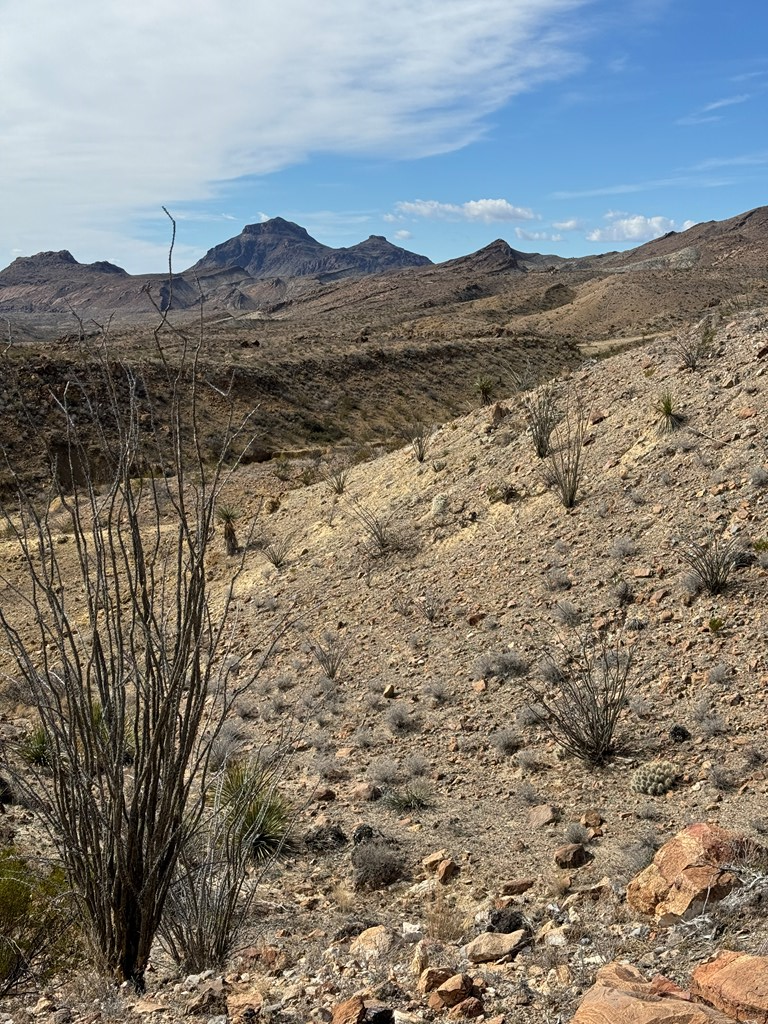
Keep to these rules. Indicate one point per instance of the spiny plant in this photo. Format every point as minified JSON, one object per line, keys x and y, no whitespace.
{"x":564,"y":465}
{"x":655,"y":779}
{"x":484,"y":386}
{"x":710,"y":562}
{"x":228,"y":516}
{"x":542,"y":416}
{"x":419,"y":436}
{"x":669,"y":417}
{"x":330,"y":653}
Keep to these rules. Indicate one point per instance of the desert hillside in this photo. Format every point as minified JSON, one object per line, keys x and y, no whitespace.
{"x":425,"y":612}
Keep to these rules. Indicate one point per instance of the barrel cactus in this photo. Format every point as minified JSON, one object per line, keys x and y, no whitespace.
{"x":655,"y":779}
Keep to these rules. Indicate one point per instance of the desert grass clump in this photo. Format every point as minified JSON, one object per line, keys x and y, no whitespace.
{"x":507,"y":741}
{"x":330,"y":653}
{"x":400,"y":721}
{"x":502,"y":664}
{"x":414,"y":796}
{"x":589,"y":693}
{"x":710,"y":562}
{"x":565,"y":613}
{"x":335,"y":478}
{"x":542,"y":416}
{"x":276,"y":551}
{"x":564,"y":465}
{"x":692,"y":347}
{"x":376,"y":528}
{"x":669,"y":418}
{"x":36,"y":748}
{"x":376,"y":864}
{"x":419,"y":436}
{"x":228,"y":516}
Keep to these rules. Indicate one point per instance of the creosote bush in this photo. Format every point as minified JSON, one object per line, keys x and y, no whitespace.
{"x":36,"y":922}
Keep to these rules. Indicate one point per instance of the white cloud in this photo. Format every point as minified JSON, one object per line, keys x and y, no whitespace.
{"x":487,"y":211}
{"x":403,"y":236}
{"x":623,"y":227}
{"x":110,"y":110}
{"x":573,"y":224}
{"x":537,"y":236}
{"x":728,"y":101}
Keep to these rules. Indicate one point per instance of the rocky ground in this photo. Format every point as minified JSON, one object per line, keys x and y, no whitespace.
{"x":428,"y":735}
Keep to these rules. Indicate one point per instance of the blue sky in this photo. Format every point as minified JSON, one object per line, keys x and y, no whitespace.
{"x":564,"y":126}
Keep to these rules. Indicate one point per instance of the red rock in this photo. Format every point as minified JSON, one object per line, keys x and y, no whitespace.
{"x":543,"y":814}
{"x":350,"y":1012}
{"x":452,"y":992}
{"x":621,"y":995}
{"x":467,"y":1008}
{"x":572,"y":855}
{"x":736,"y":983}
{"x":687,"y":873}
{"x":432,"y":978}
{"x":517,"y":886}
{"x":446,"y":870}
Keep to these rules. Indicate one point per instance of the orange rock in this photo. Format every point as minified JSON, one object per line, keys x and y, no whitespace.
{"x":452,"y":992}
{"x":687,"y":873}
{"x":350,"y":1012}
{"x":735,"y":983}
{"x":621,"y":995}
{"x":432,"y":978}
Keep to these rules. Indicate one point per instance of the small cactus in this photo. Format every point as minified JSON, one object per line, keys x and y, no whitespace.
{"x":655,"y":779}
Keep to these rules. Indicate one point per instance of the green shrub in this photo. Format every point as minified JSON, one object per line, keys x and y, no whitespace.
{"x":34,"y":917}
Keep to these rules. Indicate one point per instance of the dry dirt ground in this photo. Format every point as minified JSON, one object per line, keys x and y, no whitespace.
{"x":416,"y":705}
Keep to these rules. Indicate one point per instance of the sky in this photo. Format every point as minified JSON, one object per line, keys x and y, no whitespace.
{"x":562,"y":126}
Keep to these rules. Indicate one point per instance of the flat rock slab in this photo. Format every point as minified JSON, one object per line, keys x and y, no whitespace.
{"x":492,"y":946}
{"x":735,"y":983}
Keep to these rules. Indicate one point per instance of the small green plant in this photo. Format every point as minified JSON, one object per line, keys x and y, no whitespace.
{"x":715,"y":625}
{"x":35,"y":917}
{"x":484,"y":387}
{"x":276,"y":551}
{"x":335,"y":478}
{"x":228,"y":516}
{"x":760,"y":545}
{"x":655,"y":779}
{"x":564,"y":465}
{"x":249,"y":797}
{"x":419,"y":436}
{"x":694,"y":346}
{"x":669,"y":417}
{"x":36,"y":748}
{"x":415,"y":796}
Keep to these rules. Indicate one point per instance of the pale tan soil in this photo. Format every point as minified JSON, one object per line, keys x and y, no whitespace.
{"x":487,"y":567}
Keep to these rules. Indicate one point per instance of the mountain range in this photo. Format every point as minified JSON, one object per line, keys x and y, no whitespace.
{"x":276,"y":269}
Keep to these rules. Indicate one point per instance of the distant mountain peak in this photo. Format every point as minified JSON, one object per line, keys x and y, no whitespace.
{"x":280,"y":248}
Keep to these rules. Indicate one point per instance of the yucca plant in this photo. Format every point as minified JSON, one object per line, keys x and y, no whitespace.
{"x":228,"y":516}
{"x":212,"y":892}
{"x":669,"y":417}
{"x":484,"y":387}
{"x":711,"y":562}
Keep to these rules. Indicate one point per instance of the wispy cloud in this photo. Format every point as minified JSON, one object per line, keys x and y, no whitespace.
{"x":627,"y":188}
{"x":706,"y":114}
{"x":728,"y":101}
{"x":634,"y":227}
{"x":110,"y":110}
{"x":741,"y":160}
{"x":573,"y":224}
{"x":403,"y":235}
{"x":486,"y":211}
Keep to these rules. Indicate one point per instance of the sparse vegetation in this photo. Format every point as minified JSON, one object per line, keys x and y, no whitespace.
{"x":542,"y":415}
{"x":590,"y":692}
{"x":376,"y":864}
{"x":710,"y":561}
{"x":564,"y":462}
{"x":419,"y":436}
{"x":228,"y":516}
{"x":655,"y":779}
{"x":276,"y":550}
{"x":669,"y":417}
{"x":330,"y":653}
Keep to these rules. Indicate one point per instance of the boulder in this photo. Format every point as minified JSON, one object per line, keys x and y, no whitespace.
{"x":735,"y":983}
{"x":432,"y":978}
{"x":543,"y":814}
{"x":492,"y":946}
{"x":687,"y":873}
{"x":372,"y":943}
{"x":621,"y":995}
{"x":452,"y":992}
{"x":572,"y":855}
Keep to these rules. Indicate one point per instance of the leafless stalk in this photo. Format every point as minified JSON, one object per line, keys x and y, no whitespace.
{"x":542,"y":415}
{"x":564,"y":466}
